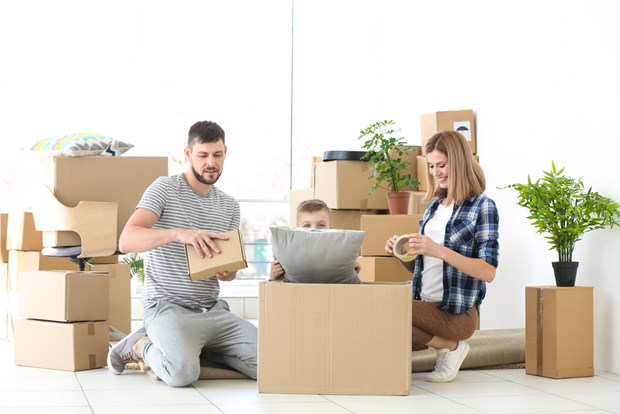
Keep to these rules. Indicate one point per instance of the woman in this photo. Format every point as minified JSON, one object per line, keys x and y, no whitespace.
{"x":457,"y":253}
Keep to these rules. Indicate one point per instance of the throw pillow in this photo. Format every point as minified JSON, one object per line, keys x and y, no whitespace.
{"x":317,"y":256}
{"x":82,"y":144}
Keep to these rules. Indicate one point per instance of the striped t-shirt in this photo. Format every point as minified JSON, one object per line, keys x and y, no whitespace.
{"x":165,"y":267}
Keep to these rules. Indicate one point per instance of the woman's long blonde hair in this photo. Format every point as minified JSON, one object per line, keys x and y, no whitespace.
{"x":465,"y":177}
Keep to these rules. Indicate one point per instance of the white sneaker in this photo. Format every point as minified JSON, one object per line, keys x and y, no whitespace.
{"x":122,"y":353}
{"x":452,"y":362}
{"x":441,"y":355}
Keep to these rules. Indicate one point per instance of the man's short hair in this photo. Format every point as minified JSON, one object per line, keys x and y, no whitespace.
{"x":205,"y":131}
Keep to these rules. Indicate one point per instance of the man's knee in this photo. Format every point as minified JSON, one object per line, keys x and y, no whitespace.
{"x":181,"y":376}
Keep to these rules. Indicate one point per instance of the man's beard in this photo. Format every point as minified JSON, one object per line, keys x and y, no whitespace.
{"x":203,"y":180}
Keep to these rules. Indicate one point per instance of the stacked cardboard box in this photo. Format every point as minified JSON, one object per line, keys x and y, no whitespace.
{"x":63,"y":320}
{"x":111,"y":179}
{"x":22,"y":253}
{"x":462,"y":121}
{"x":376,"y":264}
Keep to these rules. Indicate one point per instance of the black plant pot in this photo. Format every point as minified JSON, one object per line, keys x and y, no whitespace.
{"x":565,"y":273}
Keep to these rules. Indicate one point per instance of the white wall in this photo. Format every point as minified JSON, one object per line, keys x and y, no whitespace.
{"x":544,"y":80}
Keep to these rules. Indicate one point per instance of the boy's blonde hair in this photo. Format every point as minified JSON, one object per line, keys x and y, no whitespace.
{"x":466,"y":178}
{"x":310,"y":206}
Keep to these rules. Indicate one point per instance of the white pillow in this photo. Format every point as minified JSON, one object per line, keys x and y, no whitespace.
{"x":317,"y":256}
{"x":81,"y":144}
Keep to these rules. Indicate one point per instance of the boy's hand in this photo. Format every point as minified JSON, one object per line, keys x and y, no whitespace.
{"x":276,"y":270}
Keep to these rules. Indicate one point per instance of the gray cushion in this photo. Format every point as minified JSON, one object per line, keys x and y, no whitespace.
{"x":317,"y":256}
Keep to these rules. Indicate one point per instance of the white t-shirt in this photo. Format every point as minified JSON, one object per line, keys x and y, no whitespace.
{"x":432,"y":275}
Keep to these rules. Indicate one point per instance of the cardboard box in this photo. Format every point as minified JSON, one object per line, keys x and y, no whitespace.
{"x":351,"y":219}
{"x":231,"y":257}
{"x":462,"y":121}
{"x":119,"y":305}
{"x":559,"y":331}
{"x":20,"y":261}
{"x":417,"y":204}
{"x":345,"y":185}
{"x":334,"y":338}
{"x":422,"y":172}
{"x":380,"y":228}
{"x":114,"y":179}
{"x":67,"y":296}
{"x":383,"y":269}
{"x":21,"y":232}
{"x":4,"y":255}
{"x":60,"y":345}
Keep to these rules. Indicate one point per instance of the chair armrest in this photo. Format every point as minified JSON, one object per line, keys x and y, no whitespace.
{"x":94,"y":221}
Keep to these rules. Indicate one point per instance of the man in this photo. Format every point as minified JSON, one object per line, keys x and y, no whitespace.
{"x":183,"y":318}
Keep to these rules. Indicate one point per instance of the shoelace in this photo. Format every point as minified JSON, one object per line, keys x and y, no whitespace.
{"x":127,"y":358}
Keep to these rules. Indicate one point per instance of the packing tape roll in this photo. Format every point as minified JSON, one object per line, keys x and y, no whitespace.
{"x":401,"y":249}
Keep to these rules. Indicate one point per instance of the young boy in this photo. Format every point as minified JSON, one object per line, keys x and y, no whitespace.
{"x":311,"y":214}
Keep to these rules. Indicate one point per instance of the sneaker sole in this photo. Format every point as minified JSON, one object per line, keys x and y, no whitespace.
{"x":456,"y":372}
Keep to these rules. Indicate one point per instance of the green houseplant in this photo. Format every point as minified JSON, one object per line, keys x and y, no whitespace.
{"x":136,"y":266}
{"x":564,"y":210}
{"x":384,"y":153}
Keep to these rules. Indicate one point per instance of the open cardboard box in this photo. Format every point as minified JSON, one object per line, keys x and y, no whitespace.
{"x":230,"y":258}
{"x":334,"y":338}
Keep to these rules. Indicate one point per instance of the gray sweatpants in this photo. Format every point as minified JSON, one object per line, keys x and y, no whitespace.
{"x":177,"y":337}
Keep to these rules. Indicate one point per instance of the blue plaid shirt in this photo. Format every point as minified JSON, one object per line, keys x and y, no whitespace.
{"x":473,"y":231}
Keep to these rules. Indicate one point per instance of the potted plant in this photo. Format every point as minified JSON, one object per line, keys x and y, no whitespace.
{"x":136,"y":266}
{"x":561,"y":208}
{"x":384,"y":153}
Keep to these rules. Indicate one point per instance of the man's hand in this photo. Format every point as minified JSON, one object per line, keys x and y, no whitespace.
{"x":201,"y":240}
{"x":226,"y":276}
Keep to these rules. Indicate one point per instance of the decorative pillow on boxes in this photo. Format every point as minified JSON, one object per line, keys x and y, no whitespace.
{"x":317,"y":256}
{"x":82,"y":144}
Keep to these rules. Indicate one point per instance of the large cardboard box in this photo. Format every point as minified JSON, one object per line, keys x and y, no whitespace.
{"x":115,"y":179}
{"x":417,"y":204}
{"x":230,"y":258}
{"x":383,"y":269}
{"x":422,"y":172}
{"x":21,"y":232}
{"x":31,"y":262}
{"x":351,"y":219}
{"x":559,"y":331}
{"x":119,"y":305}
{"x":59,"y":345}
{"x":462,"y":121}
{"x":345,"y":185}
{"x":64,"y":295}
{"x":334,"y":338}
{"x":380,"y":228}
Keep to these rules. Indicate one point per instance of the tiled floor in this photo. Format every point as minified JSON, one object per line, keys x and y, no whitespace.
{"x":31,"y":390}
